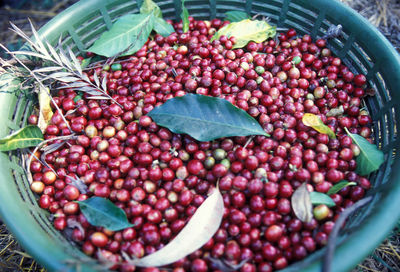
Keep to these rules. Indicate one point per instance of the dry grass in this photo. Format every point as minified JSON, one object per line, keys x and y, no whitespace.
{"x":12,"y":256}
{"x":384,"y":14}
{"x":35,"y":10}
{"x":385,"y":258}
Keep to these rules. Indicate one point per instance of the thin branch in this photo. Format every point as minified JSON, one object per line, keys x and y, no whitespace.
{"x":71,"y":64}
{"x":43,"y":162}
{"x":67,"y":137}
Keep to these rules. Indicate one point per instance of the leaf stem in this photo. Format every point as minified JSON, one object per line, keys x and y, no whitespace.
{"x":248,"y":141}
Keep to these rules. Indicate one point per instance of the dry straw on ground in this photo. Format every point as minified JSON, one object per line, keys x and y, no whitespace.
{"x":384,"y":14}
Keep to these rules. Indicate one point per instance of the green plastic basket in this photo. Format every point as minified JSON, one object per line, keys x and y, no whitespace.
{"x":361,"y":46}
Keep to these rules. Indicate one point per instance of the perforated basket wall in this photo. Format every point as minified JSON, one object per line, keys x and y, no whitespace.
{"x":362,"y":47}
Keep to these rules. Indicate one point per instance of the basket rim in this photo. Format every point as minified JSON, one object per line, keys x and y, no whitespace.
{"x":375,"y":227}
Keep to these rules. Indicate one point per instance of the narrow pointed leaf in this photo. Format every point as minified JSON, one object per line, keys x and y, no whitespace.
{"x":205,"y":118}
{"x":93,"y":91}
{"x":185,"y":17}
{"x":200,"y":228}
{"x":32,"y":54}
{"x":104,"y":83}
{"x":318,"y":198}
{"x":162,"y":27}
{"x":22,"y":34}
{"x":85,"y":78}
{"x":74,"y":85}
{"x":149,"y":6}
{"x":301,"y":203}
{"x":101,"y":212}
{"x":58,"y":75}
{"x":131,"y":30}
{"x":339,"y":186}
{"x":45,"y":111}
{"x":370,"y":158}
{"x":96,"y":79}
{"x":67,"y":79}
{"x":99,"y":97}
{"x":246,"y":31}
{"x":38,"y":41}
{"x":236,"y":16}
{"x":75,"y":61}
{"x":22,"y":138}
{"x":54,"y":53}
{"x":89,"y":90}
{"x":51,"y":148}
{"x":48,"y":69}
{"x":316,"y":123}
{"x":65,"y":61}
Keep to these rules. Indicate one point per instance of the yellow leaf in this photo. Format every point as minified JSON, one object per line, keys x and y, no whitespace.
{"x":316,"y":123}
{"x":45,"y":112}
{"x":247,"y":30}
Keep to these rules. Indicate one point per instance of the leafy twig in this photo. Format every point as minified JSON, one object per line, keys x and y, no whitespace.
{"x":38,"y":81}
{"x":66,"y":69}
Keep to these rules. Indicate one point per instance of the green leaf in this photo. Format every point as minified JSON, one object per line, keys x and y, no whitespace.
{"x":129,"y":33}
{"x":101,"y":212}
{"x":205,"y":118}
{"x":236,"y":16}
{"x":370,"y":158}
{"x":24,"y":137}
{"x":246,"y":31}
{"x":339,"y":186}
{"x":162,"y":27}
{"x":149,"y":6}
{"x":316,"y":123}
{"x":86,"y":62}
{"x":185,"y":17}
{"x":320,"y":198}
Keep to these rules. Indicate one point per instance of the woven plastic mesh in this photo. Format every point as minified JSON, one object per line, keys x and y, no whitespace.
{"x":83,"y":30}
